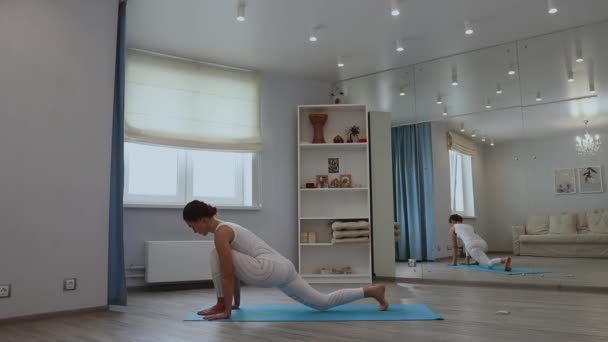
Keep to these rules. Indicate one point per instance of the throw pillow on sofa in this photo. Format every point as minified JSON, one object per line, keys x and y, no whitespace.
{"x":598,"y":222}
{"x":537,"y":225}
{"x":562,"y":224}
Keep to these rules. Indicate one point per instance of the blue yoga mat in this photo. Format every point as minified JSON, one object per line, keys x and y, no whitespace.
{"x":300,"y":313}
{"x":499,"y":269}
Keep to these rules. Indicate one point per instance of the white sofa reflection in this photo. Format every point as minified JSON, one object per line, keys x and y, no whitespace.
{"x":583,"y":234}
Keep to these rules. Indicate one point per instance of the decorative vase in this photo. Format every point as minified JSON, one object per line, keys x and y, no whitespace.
{"x":318,"y":120}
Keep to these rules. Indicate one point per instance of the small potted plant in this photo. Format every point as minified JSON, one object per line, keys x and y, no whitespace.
{"x":353,"y":133}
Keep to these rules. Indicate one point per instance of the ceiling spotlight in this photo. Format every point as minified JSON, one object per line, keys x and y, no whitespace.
{"x":402,"y":91}
{"x":551,"y":8}
{"x":340,"y":62}
{"x":579,"y":56}
{"x":538,"y":97}
{"x":468,"y":29}
{"x":313,"y":35}
{"x":399,"y":46}
{"x":454,"y":76}
{"x":439,"y":100}
{"x":445,"y":111}
{"x":492,"y":143}
{"x":395,"y":8}
{"x":488,"y":104}
{"x":483,"y":139}
{"x":240,"y":13}
{"x":473,"y":134}
{"x":511,"y":71}
{"x":570,"y":76}
{"x":498,"y":88}
{"x":462,"y":127}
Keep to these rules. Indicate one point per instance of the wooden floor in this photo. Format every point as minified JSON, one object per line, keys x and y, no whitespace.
{"x":469,"y":313}
{"x":563,"y":272}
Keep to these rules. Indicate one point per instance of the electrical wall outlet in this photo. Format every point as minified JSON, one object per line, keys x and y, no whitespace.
{"x":5,"y":291}
{"x":69,"y":284}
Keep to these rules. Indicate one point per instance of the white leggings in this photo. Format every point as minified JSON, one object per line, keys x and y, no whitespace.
{"x":276,"y":271}
{"x":479,"y":255}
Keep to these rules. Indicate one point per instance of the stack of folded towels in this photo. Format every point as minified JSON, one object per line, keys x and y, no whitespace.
{"x":350,"y":232}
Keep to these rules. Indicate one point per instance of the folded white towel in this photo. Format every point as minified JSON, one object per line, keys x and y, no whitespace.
{"x":339,"y":225}
{"x":341,"y":234}
{"x":350,"y":240}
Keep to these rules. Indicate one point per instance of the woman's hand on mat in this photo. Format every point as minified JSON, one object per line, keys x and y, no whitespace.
{"x":221,"y":315}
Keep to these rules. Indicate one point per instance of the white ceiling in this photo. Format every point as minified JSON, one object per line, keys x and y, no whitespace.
{"x":274,"y":38}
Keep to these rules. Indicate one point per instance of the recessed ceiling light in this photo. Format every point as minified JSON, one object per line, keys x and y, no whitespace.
{"x":454,"y":76}
{"x":402,"y":91}
{"x":488,"y":104}
{"x":240,"y":13}
{"x":511,"y":71}
{"x":498,"y":88}
{"x":445,"y":110}
{"x":483,"y":139}
{"x":395,"y":8}
{"x":551,"y":8}
{"x":439,"y":100}
{"x":462,"y":127}
{"x":399,"y":46}
{"x":313,"y":35}
{"x":340,"y":62}
{"x":538,"y":97}
{"x":468,"y":29}
{"x":570,"y":76}
{"x":492,"y":143}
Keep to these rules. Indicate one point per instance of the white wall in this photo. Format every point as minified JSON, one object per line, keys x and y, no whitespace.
{"x":518,"y":188}
{"x":441,"y":180}
{"x":276,"y":222}
{"x":56,"y":95}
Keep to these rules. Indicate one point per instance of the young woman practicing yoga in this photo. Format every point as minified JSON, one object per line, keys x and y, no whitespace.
{"x":474,"y":245}
{"x":241,"y":255}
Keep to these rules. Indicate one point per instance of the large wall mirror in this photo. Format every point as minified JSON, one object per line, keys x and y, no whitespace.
{"x":532,"y":178}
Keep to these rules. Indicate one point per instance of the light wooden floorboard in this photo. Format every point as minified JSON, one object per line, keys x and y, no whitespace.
{"x":563,"y":272}
{"x":469,"y":313}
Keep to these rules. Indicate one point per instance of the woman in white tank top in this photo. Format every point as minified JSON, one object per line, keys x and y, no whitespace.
{"x":474,"y":245}
{"x":240,"y":255}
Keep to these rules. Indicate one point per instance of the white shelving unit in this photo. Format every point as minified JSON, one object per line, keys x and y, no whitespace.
{"x":318,"y":208}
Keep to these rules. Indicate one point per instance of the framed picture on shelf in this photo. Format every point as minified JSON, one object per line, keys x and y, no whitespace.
{"x":564,"y":181}
{"x":322,"y":181}
{"x":590,"y":179}
{"x":346,"y":181}
{"x":335,"y":183}
{"x":333,"y":165}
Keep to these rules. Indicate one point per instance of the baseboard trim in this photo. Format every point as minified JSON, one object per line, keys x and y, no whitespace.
{"x":556,"y":287}
{"x":53,"y":314}
{"x":193,"y":285}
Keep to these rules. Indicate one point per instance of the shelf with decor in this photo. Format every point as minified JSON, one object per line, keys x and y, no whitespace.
{"x":333,"y":188}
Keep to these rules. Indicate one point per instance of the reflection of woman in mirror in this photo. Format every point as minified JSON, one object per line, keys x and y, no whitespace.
{"x":474,"y":245}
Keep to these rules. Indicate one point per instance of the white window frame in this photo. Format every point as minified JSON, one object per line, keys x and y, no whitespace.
{"x":184,"y":187}
{"x":468,"y":186}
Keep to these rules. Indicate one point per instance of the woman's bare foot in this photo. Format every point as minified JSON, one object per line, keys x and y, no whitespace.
{"x":508,"y":264}
{"x":217,"y":308}
{"x":377,"y":292}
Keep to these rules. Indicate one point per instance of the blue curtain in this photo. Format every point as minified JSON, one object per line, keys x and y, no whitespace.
{"x":413,"y":191}
{"x":117,"y":286}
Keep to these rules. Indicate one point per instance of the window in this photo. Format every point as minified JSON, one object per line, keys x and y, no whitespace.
{"x":184,"y":120}
{"x":156,"y":175}
{"x":461,"y":184}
